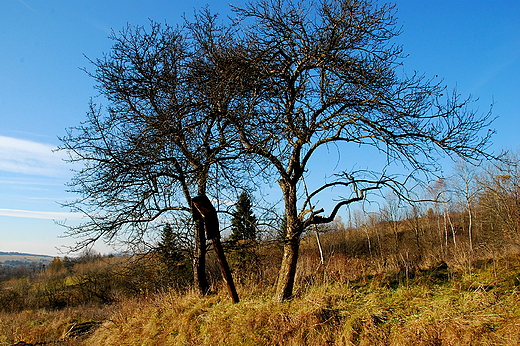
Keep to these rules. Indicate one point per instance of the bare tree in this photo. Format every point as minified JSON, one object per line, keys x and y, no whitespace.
{"x":160,"y":142}
{"x":266,"y":94}
{"x":467,"y":190}
{"x":391,"y":214}
{"x":499,"y":200}
{"x":333,"y":78}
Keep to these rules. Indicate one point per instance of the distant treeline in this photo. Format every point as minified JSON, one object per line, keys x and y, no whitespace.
{"x":19,"y":258}
{"x":23,"y":254}
{"x":16,"y":253}
{"x":13,"y":263}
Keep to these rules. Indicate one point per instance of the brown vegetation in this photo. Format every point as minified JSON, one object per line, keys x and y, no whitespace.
{"x":440,"y":306}
{"x":371,"y":313}
{"x":358,"y":297}
{"x":399,"y":276}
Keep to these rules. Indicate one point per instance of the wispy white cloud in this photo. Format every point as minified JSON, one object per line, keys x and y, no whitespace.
{"x":98,"y":25}
{"x":29,"y":7}
{"x":27,"y":157}
{"x":49,"y":215}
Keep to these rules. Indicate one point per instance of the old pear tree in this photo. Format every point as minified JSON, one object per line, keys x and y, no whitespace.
{"x":334,"y":79}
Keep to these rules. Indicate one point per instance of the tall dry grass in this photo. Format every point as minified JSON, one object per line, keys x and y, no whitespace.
{"x":402,"y":285}
{"x":436,"y":306}
{"x":477,"y":309}
{"x":49,"y":326}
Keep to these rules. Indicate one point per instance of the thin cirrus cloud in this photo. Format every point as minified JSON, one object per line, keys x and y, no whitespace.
{"x":31,"y":159}
{"x":29,"y":7}
{"x":48,"y":215}
{"x":28,"y":157}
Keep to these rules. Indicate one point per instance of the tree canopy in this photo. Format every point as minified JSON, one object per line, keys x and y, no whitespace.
{"x":334,"y":78}
{"x":260,"y":96}
{"x":159,"y":143}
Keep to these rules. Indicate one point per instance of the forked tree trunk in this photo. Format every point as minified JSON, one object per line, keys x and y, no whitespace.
{"x":209,"y":215}
{"x":199,"y":257}
{"x":287,"y":274}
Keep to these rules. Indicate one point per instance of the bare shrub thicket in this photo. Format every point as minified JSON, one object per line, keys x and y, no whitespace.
{"x":87,"y":280}
{"x":480,"y":221}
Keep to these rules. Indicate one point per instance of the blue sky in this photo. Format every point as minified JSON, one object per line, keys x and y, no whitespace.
{"x":472,"y":45}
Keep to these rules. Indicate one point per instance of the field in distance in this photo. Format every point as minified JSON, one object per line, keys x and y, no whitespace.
{"x":16,"y":258}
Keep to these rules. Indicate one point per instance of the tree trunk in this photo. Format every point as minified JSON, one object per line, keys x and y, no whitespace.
{"x":199,"y":257}
{"x":226,"y":271}
{"x":320,"y":248}
{"x":470,"y":228}
{"x":209,"y":214}
{"x":287,"y":274}
{"x":200,"y":279}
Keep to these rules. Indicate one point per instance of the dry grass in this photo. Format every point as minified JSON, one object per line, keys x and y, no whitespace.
{"x":33,"y":326}
{"x":355,"y":298}
{"x":432,"y":308}
{"x":477,"y":309}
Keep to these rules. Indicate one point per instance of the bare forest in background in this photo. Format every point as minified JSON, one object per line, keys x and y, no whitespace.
{"x":478,"y":221}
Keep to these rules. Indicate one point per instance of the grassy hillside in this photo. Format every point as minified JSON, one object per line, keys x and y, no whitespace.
{"x":15,"y":258}
{"x":439,"y":306}
{"x":410,"y":282}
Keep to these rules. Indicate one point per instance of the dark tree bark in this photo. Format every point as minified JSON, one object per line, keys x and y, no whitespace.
{"x":199,"y":257}
{"x":209,"y":214}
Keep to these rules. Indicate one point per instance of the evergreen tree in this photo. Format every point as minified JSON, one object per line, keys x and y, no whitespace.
{"x":244,"y":222}
{"x":168,"y":247}
{"x":174,"y":258}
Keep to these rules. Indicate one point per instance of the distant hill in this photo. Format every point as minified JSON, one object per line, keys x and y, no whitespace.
{"x":17,"y":258}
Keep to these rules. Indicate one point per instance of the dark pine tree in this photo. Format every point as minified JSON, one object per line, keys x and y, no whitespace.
{"x":174,"y":258}
{"x":243,"y":256}
{"x":243,"y":222}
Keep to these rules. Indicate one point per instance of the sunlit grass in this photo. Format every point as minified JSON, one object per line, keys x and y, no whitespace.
{"x":481,"y":309}
{"x":37,"y":326}
{"x":351,"y":300}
